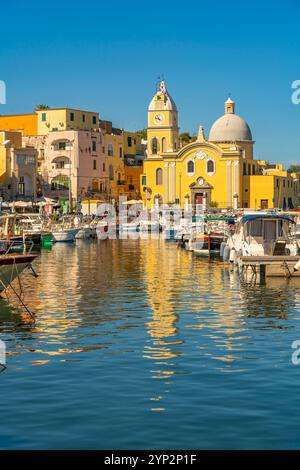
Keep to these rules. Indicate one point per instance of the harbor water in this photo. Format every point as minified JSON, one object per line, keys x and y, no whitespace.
{"x":140,"y":344}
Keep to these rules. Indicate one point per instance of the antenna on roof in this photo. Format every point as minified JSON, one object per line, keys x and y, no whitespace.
{"x":157,"y":84}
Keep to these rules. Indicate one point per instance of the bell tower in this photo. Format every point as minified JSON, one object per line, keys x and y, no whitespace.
{"x":229,"y":106}
{"x":163,"y":131}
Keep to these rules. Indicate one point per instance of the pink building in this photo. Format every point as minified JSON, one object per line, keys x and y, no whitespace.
{"x":71,"y":163}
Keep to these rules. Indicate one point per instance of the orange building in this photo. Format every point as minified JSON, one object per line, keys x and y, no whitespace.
{"x":26,"y":123}
{"x":132,"y":177}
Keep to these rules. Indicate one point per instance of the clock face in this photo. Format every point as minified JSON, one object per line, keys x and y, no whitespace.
{"x":200,"y":181}
{"x":200,"y":155}
{"x":158,"y":118}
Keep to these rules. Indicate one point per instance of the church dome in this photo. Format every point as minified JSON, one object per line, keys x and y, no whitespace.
{"x":162,"y":100}
{"x":230,"y":127}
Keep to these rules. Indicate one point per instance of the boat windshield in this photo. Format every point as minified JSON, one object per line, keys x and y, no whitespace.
{"x":269,"y":230}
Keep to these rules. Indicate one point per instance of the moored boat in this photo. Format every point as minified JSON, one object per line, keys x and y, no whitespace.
{"x":65,"y":234}
{"x":84,"y":233}
{"x":12,"y":265}
{"x":265,"y":243}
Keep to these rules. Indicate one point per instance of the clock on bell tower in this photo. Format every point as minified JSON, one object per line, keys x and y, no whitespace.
{"x":163,"y":131}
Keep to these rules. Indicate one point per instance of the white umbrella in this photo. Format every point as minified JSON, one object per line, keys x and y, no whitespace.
{"x":132,"y":201}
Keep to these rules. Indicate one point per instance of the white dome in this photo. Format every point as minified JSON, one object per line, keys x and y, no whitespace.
{"x":230,"y":127}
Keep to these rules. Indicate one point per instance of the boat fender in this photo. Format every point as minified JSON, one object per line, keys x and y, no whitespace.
{"x":226,"y":253}
{"x":222,"y":247}
{"x":297,"y":266}
{"x":232,"y":257}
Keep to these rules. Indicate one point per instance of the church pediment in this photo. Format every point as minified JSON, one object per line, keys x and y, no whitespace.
{"x":200,"y":151}
{"x":202,"y":184}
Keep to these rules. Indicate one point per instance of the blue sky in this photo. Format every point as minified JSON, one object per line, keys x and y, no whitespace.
{"x":106,"y":57}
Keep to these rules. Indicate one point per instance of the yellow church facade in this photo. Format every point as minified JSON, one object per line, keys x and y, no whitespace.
{"x":215,"y":171}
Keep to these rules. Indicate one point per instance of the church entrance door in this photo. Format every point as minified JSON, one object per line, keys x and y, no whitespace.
{"x":199,"y":198}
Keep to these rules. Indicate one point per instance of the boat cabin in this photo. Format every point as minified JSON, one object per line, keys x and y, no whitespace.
{"x":265,"y":234}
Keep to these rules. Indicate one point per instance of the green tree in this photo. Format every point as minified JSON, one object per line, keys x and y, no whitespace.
{"x":294,"y":169}
{"x":185,"y":138}
{"x":142,"y":133}
{"x":40,"y":107}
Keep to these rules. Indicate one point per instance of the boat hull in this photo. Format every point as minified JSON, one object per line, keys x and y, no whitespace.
{"x":84,"y":234}
{"x":67,"y":236}
{"x":11,"y":266}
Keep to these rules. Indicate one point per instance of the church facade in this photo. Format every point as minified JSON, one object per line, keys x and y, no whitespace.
{"x":218,"y":171}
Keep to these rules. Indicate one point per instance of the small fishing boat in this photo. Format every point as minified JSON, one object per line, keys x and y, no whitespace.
{"x":206,"y":243}
{"x":208,"y":234}
{"x":84,"y":233}
{"x":12,"y":265}
{"x":149,"y":226}
{"x":66,"y":235}
{"x":131,"y":226}
{"x":24,"y":228}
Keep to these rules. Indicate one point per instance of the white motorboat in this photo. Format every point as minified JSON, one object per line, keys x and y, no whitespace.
{"x":64,"y":234}
{"x":133,"y":226}
{"x":263,"y":235}
{"x":84,"y":233}
{"x":102,"y":230}
{"x":149,"y":226}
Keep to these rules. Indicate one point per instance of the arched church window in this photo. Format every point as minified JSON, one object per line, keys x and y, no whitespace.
{"x":163,"y":144}
{"x":159,"y":176}
{"x":191,"y":167}
{"x":154,"y":145}
{"x":210,"y":167}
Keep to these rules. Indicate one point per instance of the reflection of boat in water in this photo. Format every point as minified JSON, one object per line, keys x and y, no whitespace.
{"x":12,"y":265}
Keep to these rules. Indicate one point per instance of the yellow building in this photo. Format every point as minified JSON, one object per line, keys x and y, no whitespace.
{"x":133,"y":174}
{"x":217,"y":171}
{"x":133,"y":160}
{"x":114,"y":163}
{"x":66,"y":119}
{"x":132,"y":144}
{"x":18,"y":167}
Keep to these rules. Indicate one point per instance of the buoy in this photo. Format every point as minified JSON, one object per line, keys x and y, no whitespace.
{"x":297,"y":266}
{"x":232,"y":256}
{"x":226,"y":253}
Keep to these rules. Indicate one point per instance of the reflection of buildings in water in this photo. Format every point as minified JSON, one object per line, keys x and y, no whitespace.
{"x":160,"y":262}
{"x":217,"y":314}
{"x":76,"y":287}
{"x":254,"y":306}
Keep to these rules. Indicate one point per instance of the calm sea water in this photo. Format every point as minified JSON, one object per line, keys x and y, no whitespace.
{"x":139,"y":344}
